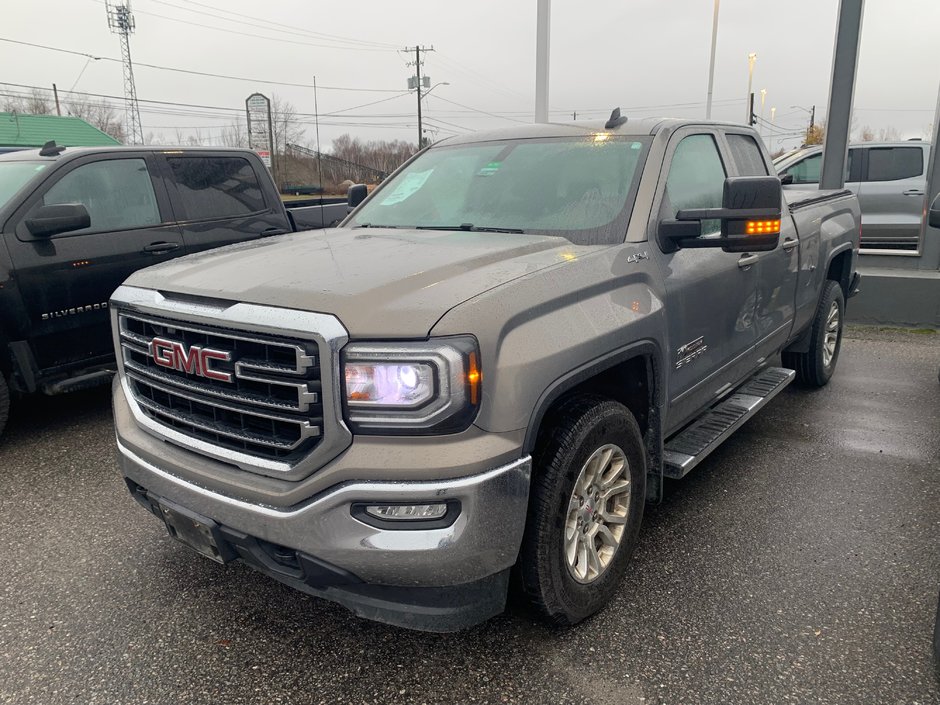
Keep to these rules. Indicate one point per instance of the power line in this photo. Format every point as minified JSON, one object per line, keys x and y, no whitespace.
{"x":199,"y":73}
{"x":484,"y":112}
{"x":253,"y":35}
{"x":287,"y":29}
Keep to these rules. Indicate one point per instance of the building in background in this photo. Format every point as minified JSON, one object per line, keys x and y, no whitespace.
{"x":19,"y":131}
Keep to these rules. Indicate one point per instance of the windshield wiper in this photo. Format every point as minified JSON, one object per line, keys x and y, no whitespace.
{"x":471,"y":228}
{"x":371,"y":225}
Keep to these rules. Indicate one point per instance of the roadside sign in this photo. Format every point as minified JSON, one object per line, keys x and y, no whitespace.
{"x":258,"y":110}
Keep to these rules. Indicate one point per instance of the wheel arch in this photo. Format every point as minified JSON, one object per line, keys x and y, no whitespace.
{"x":632,"y":375}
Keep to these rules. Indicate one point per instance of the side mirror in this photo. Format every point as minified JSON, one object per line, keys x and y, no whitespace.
{"x":59,"y":218}
{"x":750,"y":218}
{"x":786,"y":180}
{"x":933,"y":216}
{"x":355,"y":195}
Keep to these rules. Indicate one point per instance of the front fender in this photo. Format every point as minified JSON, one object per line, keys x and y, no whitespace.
{"x":542,"y":332}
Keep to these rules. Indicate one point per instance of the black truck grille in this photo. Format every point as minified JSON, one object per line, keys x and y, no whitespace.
{"x":244,"y":392}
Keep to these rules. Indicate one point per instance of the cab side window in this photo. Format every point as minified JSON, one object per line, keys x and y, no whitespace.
{"x":696,"y":179}
{"x":216,"y":187}
{"x":117,"y":193}
{"x":747,"y":155}
{"x":895,"y":163}
{"x":807,"y":170}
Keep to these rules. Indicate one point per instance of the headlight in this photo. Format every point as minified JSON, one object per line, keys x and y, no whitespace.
{"x":413,"y":387}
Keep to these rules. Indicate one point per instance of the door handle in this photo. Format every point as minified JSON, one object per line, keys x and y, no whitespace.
{"x":790,"y":243}
{"x":160,"y":248}
{"x":747,"y":260}
{"x":913,"y":192}
{"x":273,"y":231}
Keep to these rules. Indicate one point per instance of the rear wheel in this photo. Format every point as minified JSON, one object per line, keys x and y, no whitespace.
{"x":585,"y":509}
{"x":4,"y":403}
{"x":814,"y":367}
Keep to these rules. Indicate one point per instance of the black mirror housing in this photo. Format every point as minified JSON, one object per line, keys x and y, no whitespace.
{"x":933,"y":216}
{"x":58,"y":218}
{"x":750,"y":213}
{"x":355,"y":195}
{"x":786,"y":180}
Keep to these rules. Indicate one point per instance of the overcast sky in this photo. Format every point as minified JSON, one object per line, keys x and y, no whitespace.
{"x":648,"y":56}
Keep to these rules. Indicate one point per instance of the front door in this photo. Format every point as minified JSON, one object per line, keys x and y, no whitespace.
{"x":710,"y":294}
{"x":67,"y":279}
{"x":778,"y":269}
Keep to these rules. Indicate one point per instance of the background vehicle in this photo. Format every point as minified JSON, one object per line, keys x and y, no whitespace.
{"x":490,"y":365}
{"x":76,"y":222}
{"x":890,"y":180}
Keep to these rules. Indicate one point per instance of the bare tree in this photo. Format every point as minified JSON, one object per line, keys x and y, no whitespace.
{"x":98,"y":113}
{"x":235,"y":135}
{"x":889,"y":134}
{"x":867,"y":134}
{"x":35,"y":103}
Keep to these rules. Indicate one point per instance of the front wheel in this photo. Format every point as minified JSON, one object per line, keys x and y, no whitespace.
{"x":585,"y":508}
{"x":814,"y":367}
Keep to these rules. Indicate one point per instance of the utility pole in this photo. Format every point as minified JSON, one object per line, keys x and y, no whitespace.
{"x":812,"y":118}
{"x":543,"y":27}
{"x":55,"y":92}
{"x":121,"y":22}
{"x":751,"y":58}
{"x":711,"y":63}
{"x":418,"y":81}
{"x":316,"y":117}
{"x":751,"y":118}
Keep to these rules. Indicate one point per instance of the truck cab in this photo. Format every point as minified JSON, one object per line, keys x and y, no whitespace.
{"x":76,"y":222}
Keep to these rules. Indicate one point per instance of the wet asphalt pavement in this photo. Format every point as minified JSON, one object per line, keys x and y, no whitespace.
{"x":800,"y":563}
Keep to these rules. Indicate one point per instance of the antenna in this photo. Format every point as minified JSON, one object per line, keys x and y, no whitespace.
{"x":121,"y":23}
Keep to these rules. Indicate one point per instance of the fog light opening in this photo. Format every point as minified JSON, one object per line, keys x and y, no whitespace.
{"x":406,"y":512}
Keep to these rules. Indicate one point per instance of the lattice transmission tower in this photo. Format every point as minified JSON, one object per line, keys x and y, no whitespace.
{"x":121,"y":23}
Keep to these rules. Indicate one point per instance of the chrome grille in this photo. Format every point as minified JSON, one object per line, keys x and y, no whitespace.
{"x":272,"y":407}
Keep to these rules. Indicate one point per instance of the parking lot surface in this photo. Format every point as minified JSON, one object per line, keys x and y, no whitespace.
{"x":799,"y":563}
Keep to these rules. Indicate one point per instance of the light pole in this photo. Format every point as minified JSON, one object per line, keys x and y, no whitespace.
{"x":773,"y":115}
{"x":711,"y":63}
{"x":543,"y":23}
{"x":751,"y":58}
{"x":812,"y":114}
{"x":423,"y":96}
{"x":763,"y":98}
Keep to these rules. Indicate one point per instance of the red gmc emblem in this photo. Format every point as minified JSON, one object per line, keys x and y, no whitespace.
{"x":193,"y":360}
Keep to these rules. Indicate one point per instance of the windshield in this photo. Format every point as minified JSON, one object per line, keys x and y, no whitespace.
{"x":14,"y":175}
{"x":580,"y":188}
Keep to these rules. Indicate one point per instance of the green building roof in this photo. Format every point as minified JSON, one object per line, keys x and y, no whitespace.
{"x":19,"y":130}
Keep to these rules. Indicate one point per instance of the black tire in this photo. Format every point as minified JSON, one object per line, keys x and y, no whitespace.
{"x":4,"y":403}
{"x":578,"y":427}
{"x":811,"y":367}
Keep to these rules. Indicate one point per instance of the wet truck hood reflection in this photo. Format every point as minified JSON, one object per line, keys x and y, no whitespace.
{"x":378,"y":282}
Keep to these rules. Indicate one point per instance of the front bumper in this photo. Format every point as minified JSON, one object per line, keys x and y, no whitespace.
{"x":483,"y":540}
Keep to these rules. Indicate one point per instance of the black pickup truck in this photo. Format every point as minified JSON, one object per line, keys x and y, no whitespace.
{"x":74,"y":223}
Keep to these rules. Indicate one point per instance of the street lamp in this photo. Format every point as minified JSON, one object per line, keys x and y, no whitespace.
{"x":763,"y":99}
{"x":773,"y":115}
{"x":812,"y":114}
{"x":423,"y":96}
{"x":751,"y":58}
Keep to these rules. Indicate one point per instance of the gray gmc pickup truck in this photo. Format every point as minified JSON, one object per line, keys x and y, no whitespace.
{"x":486,"y":371}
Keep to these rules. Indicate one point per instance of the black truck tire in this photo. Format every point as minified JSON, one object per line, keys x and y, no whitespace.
{"x":580,"y":432}
{"x":4,"y":403}
{"x":814,"y":367}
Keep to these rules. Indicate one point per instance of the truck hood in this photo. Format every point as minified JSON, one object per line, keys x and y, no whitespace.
{"x":378,"y":282}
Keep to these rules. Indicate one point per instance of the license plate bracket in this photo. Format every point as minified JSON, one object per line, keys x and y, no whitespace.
{"x":199,"y":533}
